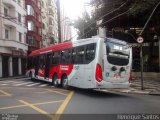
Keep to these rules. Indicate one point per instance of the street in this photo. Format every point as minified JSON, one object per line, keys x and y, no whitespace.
{"x":31,"y":99}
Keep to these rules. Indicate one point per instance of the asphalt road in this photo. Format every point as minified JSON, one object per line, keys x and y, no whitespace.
{"x":23,"y":99}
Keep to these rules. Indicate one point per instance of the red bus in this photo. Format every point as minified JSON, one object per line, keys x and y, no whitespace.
{"x":88,"y":63}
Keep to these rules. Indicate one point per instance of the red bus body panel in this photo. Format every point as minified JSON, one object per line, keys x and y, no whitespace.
{"x":57,"y":47}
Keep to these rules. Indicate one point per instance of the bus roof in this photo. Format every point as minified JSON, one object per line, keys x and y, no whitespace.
{"x":116,"y":41}
{"x":51,"y":48}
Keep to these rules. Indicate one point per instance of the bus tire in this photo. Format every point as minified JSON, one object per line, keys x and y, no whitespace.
{"x":31,"y":75}
{"x":55,"y":80}
{"x":65,"y":82}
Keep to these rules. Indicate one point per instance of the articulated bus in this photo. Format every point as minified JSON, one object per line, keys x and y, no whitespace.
{"x":91,"y":63}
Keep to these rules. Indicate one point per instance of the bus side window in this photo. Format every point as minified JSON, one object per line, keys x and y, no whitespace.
{"x":80,"y":55}
{"x":65,"y":56}
{"x":55,"y":58}
{"x":90,"y":53}
{"x":42,"y":61}
{"x":73,"y":55}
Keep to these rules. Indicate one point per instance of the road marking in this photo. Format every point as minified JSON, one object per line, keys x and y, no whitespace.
{"x":36,"y":108}
{"x":6,"y":81}
{"x":2,"y":95}
{"x":3,"y":84}
{"x":43,"y":85}
{"x":18,"y":106}
{"x":56,"y":92}
{"x":63,"y":106}
{"x":18,"y":82}
{"x":48,"y":102}
{"x":21,"y":88}
{"x":33,"y":84}
{"x":22,"y":83}
{"x":10,"y":107}
{"x":5,"y":93}
{"x":58,"y":89}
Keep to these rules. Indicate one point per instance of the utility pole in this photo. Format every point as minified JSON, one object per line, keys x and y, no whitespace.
{"x":140,"y":40}
{"x":59,"y":20}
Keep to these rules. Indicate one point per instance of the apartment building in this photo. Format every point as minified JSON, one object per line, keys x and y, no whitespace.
{"x":34,"y":24}
{"x":65,"y":22}
{"x":13,"y":47}
{"x":49,"y":22}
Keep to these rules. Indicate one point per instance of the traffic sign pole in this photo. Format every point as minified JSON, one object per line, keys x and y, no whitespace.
{"x":140,"y":41}
{"x":141,"y":59}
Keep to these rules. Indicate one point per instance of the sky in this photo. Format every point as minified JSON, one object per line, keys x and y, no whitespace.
{"x":73,"y":10}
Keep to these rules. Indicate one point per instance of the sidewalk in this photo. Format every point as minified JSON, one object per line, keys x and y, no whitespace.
{"x":151,"y":86}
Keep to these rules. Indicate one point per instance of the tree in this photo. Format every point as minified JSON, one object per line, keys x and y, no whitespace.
{"x":126,"y":14}
{"x":85,"y":29}
{"x":106,"y":9}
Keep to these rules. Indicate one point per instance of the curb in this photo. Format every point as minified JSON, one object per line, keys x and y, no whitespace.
{"x":155,"y":92}
{"x":128,"y":91}
{"x":135,"y":91}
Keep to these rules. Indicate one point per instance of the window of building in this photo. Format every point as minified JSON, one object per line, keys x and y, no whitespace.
{"x":31,"y":40}
{"x":50,"y":29}
{"x":5,"y":12}
{"x":50,"y":21}
{"x":30,"y":26}
{"x":19,"y":17}
{"x":20,"y":37}
{"x":6,"y":34}
{"x":30,"y":10}
{"x":19,"y":2}
{"x":42,"y":4}
{"x":43,"y":25}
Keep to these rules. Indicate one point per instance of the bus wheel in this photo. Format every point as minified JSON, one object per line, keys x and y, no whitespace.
{"x":65,"y":82}
{"x":31,"y":76}
{"x":55,"y":81}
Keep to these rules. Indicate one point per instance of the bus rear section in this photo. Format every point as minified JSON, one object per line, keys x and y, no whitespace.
{"x":113,"y":68}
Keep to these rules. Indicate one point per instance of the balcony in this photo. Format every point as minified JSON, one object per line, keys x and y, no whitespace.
{"x":10,"y":3}
{"x":34,"y":5}
{"x":36,"y":35}
{"x":10,"y":22}
{"x":36,"y":21}
{"x":13,"y":44}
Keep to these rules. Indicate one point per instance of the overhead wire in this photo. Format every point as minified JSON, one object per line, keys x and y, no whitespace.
{"x":123,"y":4}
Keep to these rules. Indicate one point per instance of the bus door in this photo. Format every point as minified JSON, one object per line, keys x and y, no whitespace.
{"x":116,"y":63}
{"x":36,"y":63}
{"x":47,"y":65}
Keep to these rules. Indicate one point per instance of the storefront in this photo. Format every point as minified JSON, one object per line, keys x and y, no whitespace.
{"x":13,"y":64}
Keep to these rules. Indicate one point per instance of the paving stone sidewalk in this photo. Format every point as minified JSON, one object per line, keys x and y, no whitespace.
{"x":151,"y":86}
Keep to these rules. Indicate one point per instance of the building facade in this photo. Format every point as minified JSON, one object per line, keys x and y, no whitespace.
{"x":49,"y":22}
{"x":13,"y":47}
{"x":65,"y":24}
{"x":34,"y":24}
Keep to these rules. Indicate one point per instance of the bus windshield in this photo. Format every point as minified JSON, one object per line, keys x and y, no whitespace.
{"x":117,"y":54}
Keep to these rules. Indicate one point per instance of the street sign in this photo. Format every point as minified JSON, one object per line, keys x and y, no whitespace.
{"x":140,"y":39}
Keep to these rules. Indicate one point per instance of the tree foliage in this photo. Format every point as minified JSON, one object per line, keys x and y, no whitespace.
{"x":137,"y":14}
